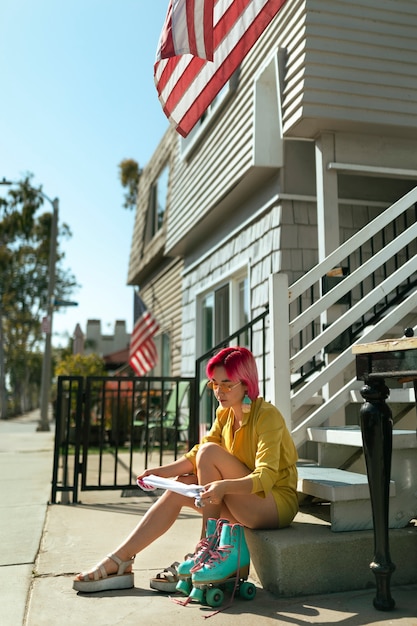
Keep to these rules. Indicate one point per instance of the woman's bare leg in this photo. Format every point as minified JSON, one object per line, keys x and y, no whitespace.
{"x":157,"y":520}
{"x":215,"y":463}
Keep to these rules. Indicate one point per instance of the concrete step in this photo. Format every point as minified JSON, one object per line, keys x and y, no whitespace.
{"x":352,"y":436}
{"x":334,"y":485}
{"x":347,"y":493}
{"x":307,"y":558}
{"x":336,"y":447}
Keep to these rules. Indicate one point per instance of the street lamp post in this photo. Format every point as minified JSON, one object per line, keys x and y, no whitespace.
{"x":47,"y":356}
{"x":3,"y":394}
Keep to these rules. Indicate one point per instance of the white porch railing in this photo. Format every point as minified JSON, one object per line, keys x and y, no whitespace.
{"x":286,"y":329}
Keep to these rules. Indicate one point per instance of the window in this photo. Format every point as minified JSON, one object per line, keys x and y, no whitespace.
{"x":223,"y":311}
{"x":157,"y":203}
{"x":215,"y":317}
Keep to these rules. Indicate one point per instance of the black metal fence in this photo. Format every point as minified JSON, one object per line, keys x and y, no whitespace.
{"x":108,"y":428}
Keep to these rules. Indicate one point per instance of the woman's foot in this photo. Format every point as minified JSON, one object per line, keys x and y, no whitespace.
{"x":110,"y":573}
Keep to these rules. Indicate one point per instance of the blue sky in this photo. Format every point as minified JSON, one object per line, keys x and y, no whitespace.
{"x":77,"y":97}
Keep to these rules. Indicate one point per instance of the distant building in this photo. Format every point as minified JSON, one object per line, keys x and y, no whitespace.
{"x":113,"y":348}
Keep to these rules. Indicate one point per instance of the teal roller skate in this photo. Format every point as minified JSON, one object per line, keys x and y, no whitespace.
{"x":202,"y":552}
{"x":226,"y":569}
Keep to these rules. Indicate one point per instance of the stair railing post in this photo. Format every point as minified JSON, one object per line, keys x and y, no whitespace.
{"x":280,"y":345}
{"x":376,"y":426}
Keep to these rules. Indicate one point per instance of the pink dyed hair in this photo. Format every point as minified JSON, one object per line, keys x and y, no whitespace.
{"x":239,"y":364}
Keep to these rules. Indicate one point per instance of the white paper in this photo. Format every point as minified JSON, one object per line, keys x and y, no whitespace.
{"x":191,"y":491}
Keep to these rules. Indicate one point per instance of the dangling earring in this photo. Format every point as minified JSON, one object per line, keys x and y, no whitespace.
{"x":246,"y":403}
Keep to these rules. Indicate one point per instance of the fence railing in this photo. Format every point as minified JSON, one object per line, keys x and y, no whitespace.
{"x":107,"y":428}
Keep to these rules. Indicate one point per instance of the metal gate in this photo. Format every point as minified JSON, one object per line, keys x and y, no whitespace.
{"x":108,"y":429}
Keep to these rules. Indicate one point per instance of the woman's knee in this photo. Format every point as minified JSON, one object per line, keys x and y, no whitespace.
{"x":207,"y":450}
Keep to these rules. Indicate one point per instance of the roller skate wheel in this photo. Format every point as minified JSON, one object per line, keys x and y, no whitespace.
{"x":247,"y":591}
{"x":184,"y":586}
{"x":197,"y":595}
{"x":214,"y":597}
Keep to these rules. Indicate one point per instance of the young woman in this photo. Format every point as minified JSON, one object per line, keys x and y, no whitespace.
{"x":246,"y":464}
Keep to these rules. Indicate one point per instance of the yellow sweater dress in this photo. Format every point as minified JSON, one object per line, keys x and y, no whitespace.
{"x":264,"y":444}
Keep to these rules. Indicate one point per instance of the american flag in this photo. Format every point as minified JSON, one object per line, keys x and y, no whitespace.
{"x":143,"y":354}
{"x":201,"y":44}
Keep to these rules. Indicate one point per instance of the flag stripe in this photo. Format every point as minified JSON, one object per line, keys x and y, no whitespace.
{"x":188,"y":29}
{"x":187,"y":85}
{"x":143,"y":354}
{"x":145,"y":360}
{"x":227,"y":54}
{"x":205,"y":31}
{"x":146,"y":327}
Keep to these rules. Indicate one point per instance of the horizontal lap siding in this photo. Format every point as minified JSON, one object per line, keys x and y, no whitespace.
{"x":357,"y":64}
{"x":160,"y":286}
{"x":226,"y":153}
{"x":205,"y":179}
{"x":164,"y":298}
{"x":141,"y":250}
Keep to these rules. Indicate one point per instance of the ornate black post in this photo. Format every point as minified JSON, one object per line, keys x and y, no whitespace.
{"x":376,"y":425}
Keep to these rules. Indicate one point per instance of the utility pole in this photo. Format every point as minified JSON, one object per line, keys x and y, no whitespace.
{"x":47,"y":355}
{"x":3,"y":394}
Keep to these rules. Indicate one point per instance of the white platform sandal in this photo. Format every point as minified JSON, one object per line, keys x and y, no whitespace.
{"x":103,"y":581}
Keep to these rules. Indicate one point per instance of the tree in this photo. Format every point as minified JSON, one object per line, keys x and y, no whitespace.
{"x":24,"y":266}
{"x":81,"y":365}
{"x":129,"y":174}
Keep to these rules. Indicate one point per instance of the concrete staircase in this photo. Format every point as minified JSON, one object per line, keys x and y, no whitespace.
{"x":308,"y":558}
{"x":330,"y":544}
{"x":348,"y":491}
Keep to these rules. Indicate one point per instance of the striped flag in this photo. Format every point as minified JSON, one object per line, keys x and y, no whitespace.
{"x":143,"y":355}
{"x":201,"y":44}
{"x":188,"y":29}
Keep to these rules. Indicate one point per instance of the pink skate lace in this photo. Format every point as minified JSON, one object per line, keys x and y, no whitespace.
{"x":212,"y":556}
{"x":206,"y":546}
{"x":203,"y":547}
{"x":220,"y":554}
{"x":203,"y":552}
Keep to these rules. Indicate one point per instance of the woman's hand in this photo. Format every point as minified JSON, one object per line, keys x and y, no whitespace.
{"x":214,"y":492}
{"x":177,"y":468}
{"x":157,"y":471}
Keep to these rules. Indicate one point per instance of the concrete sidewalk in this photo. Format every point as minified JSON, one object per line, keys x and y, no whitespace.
{"x":44,"y":546}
